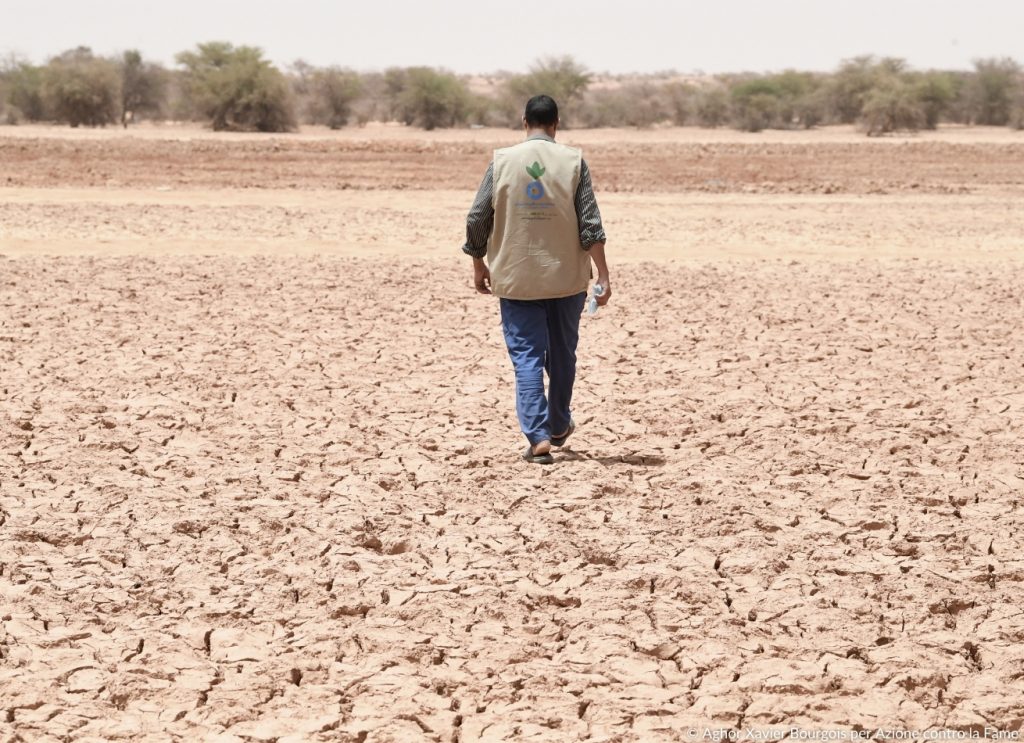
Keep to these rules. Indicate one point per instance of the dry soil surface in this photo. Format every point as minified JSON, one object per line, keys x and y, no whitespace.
{"x":258,"y":453}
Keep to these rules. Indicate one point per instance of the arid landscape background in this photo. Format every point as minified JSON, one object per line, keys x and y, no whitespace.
{"x":259,"y":475}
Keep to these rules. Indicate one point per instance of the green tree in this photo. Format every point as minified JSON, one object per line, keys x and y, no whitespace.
{"x":332,"y":92}
{"x":427,"y":97}
{"x":935,"y":92}
{"x":562,"y":78}
{"x":849,"y":86}
{"x":991,"y":91}
{"x":235,"y":88}
{"x":892,"y":105}
{"x":784,"y":101}
{"x":21,"y":86}
{"x":755,"y":105}
{"x":143,"y":87}
{"x":1017,"y":105}
{"x":800,"y":100}
{"x":81,"y":88}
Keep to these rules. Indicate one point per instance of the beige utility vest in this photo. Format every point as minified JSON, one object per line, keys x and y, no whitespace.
{"x":534,"y":251}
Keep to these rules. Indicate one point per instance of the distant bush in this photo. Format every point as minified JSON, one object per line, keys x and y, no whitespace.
{"x":490,"y":110}
{"x":755,"y":105}
{"x":847,"y":89}
{"x":373,"y":103}
{"x":143,"y":87}
{"x":882,"y":95}
{"x":1017,"y":105}
{"x":562,"y":78}
{"x":300,"y":82}
{"x":427,"y":97}
{"x":1017,"y":117}
{"x":681,"y":102}
{"x":636,"y":104}
{"x":327,"y":94}
{"x":336,"y":90}
{"x":935,"y":93}
{"x":992,"y":90}
{"x":80,"y":88}
{"x":711,"y":109}
{"x":802,"y":99}
{"x":787,"y":100}
{"x":892,"y":106}
{"x":22,"y":89}
{"x":234,"y":88}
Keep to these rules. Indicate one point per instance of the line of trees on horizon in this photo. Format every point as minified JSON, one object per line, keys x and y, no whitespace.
{"x":235,"y":88}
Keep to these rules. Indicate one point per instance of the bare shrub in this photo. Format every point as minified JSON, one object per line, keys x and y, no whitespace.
{"x":373,"y":104}
{"x":712,"y":107}
{"x":143,"y":87}
{"x":81,"y":88}
{"x":681,"y":102}
{"x":236,"y":89}
{"x":636,"y":104}
{"x":1017,"y":118}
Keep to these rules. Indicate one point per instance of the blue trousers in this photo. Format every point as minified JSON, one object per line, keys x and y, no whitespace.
{"x":542,"y":335}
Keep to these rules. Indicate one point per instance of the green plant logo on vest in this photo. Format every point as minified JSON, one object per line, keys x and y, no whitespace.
{"x":535,"y":189}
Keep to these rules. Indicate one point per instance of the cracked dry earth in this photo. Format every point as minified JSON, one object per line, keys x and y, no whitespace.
{"x":254,"y":498}
{"x":273,"y":493}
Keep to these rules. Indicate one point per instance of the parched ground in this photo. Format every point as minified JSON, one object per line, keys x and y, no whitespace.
{"x":258,"y":474}
{"x":829,"y":161}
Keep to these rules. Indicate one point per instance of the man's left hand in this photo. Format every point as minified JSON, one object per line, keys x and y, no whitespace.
{"x":481,"y":276}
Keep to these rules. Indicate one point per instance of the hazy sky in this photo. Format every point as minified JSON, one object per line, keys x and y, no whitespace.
{"x":486,"y":36}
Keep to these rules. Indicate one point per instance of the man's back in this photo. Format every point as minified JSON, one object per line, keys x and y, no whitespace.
{"x":534,"y":251}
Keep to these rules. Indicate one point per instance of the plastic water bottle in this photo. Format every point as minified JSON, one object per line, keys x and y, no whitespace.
{"x":592,"y":301}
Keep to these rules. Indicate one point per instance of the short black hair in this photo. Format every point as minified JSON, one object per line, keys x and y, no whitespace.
{"x":541,"y":110}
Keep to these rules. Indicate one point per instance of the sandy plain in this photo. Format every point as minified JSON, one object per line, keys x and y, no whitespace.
{"x":258,"y":474}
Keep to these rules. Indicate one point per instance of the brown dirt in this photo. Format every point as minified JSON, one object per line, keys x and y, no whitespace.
{"x":621,"y":162}
{"x":258,"y":475}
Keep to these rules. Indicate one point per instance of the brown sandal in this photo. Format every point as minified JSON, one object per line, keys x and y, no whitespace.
{"x":560,"y":440}
{"x":532,"y":458}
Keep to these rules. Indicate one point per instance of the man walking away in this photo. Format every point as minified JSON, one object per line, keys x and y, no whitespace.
{"x":536,"y":220}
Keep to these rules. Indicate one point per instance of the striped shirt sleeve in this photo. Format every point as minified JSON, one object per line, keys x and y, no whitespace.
{"x":587,"y":213}
{"x":481,"y":217}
